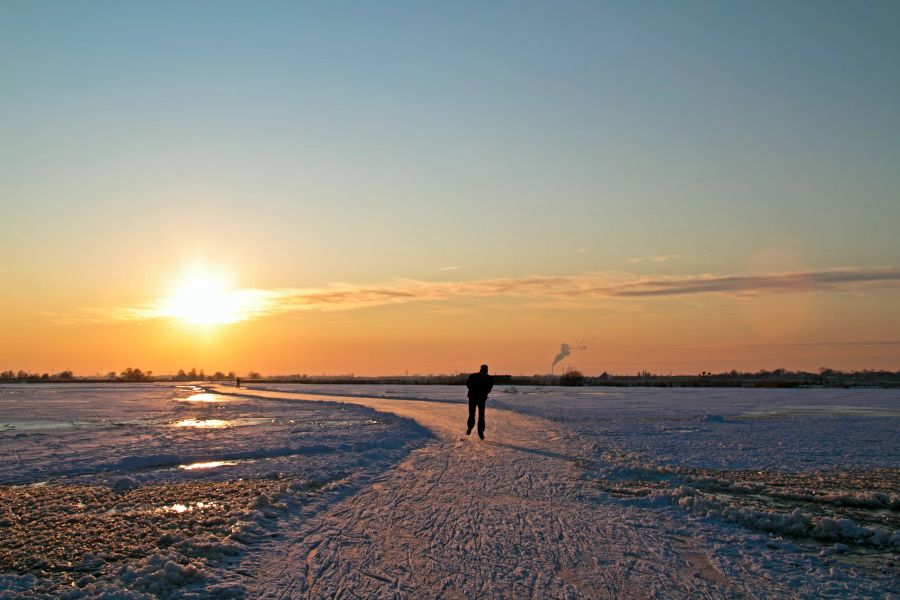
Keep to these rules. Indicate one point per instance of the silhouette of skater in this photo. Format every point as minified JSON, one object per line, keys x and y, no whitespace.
{"x":237,"y":382}
{"x":479,"y":385}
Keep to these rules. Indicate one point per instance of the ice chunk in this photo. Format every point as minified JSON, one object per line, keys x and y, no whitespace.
{"x":126,"y":483}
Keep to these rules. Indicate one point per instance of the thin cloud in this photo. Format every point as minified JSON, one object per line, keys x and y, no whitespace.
{"x":836,"y":343}
{"x":451,"y":268}
{"x":847,"y":279}
{"x":657,"y":259}
{"x":581,"y":287}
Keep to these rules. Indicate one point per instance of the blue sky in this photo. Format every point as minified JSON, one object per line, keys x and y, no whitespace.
{"x":312,"y":143}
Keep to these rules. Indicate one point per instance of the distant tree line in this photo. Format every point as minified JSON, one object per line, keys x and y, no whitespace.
{"x":128,"y":374}
{"x":776,"y":378}
{"x":32,"y":377}
{"x":195,"y":375}
{"x":824,"y":377}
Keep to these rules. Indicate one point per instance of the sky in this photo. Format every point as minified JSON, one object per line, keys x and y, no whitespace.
{"x":422,"y":187}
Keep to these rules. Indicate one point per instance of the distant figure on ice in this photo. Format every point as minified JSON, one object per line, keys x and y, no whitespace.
{"x":479,"y":385}
{"x":237,"y":382}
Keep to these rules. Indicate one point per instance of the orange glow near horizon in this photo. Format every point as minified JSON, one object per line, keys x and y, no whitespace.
{"x":619,"y":322}
{"x":513,"y":335}
{"x":204,"y":296}
{"x":419,"y":191}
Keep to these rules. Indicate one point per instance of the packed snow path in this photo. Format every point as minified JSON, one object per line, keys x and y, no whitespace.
{"x":464,"y":518}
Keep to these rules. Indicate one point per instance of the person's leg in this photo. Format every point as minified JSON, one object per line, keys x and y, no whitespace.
{"x":471,"y":422}
{"x":481,"y":417}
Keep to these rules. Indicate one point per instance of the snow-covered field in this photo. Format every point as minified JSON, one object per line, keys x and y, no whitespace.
{"x":179,"y":491}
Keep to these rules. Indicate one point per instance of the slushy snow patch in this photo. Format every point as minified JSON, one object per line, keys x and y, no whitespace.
{"x":796,"y":523}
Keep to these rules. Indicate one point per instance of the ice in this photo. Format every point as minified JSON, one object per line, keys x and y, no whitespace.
{"x":212,"y":464}
{"x":125,"y":483}
{"x":795,"y":524}
{"x":306,"y":490}
{"x":147,"y":431}
{"x":129,"y":504}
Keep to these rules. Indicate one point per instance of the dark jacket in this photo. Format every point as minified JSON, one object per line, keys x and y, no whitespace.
{"x":479,"y":386}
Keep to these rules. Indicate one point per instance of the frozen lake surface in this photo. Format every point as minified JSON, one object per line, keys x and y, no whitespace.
{"x":786,"y":429}
{"x":93,"y":433}
{"x":171,"y":490}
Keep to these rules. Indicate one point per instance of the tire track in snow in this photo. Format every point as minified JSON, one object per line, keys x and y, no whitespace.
{"x":459,"y":517}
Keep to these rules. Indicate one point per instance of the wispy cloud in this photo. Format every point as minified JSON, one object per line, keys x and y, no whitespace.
{"x":584,"y":287}
{"x":845,"y":279}
{"x":451,"y":268}
{"x":657,"y":259}
{"x":243,"y":304}
{"x":836,"y":343}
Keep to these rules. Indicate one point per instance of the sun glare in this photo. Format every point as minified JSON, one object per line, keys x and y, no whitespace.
{"x":203,"y":298}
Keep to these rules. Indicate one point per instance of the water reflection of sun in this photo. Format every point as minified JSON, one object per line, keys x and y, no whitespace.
{"x":205,"y":397}
{"x":203,"y":423}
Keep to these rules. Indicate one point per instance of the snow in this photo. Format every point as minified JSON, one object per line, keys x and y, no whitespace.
{"x":147,"y":432}
{"x":136,"y":491}
{"x":115,"y":496}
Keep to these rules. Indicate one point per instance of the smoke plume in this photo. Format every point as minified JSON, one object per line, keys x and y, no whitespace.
{"x":564,"y":351}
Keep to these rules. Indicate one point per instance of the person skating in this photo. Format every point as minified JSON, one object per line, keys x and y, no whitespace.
{"x":480,"y":385}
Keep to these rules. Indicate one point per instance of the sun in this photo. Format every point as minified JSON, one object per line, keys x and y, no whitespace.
{"x":204,"y":297}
